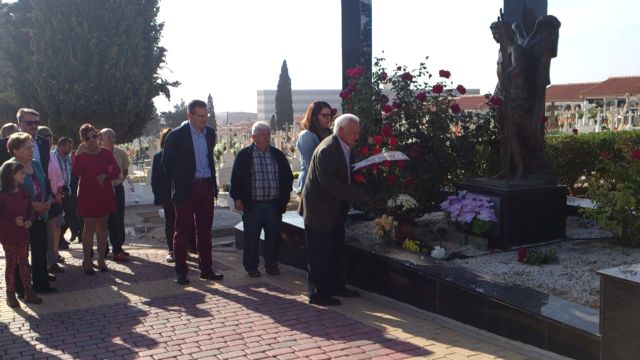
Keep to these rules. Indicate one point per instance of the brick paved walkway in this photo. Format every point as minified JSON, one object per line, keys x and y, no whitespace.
{"x":137,"y":311}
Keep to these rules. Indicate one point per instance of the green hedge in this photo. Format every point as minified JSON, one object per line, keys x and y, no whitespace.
{"x":574,"y":156}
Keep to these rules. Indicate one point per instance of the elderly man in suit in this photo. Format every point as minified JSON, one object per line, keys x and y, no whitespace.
{"x":188,"y":161}
{"x":324,"y":205}
{"x":28,"y":121}
{"x":261,"y":183}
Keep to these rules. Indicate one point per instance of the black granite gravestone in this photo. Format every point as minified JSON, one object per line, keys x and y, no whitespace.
{"x":356,"y":36}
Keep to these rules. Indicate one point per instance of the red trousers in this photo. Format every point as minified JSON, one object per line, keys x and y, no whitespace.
{"x":198,"y":208}
{"x":16,"y":254}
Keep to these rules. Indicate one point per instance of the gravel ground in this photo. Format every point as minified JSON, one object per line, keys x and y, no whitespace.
{"x":587,"y":249}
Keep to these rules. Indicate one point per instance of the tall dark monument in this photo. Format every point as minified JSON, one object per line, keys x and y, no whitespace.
{"x":530,"y":205}
{"x":356,"y":36}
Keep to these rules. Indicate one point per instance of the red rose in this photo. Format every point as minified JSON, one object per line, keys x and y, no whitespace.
{"x":421,"y":96}
{"x":607,"y":155}
{"x":382,"y":76}
{"x":455,"y":108}
{"x":522,"y":253}
{"x":377,"y":139}
{"x":359,"y":178}
{"x":387,"y":108}
{"x":374,"y":167}
{"x":444,"y":73}
{"x":437,"y":89}
{"x":355,"y":72}
{"x":392,"y":179}
{"x":461,"y":89}
{"x":386,"y":130}
{"x":364,"y":149}
{"x":496,"y":101}
{"x":400,"y":163}
{"x":397,"y":105}
{"x":574,"y":131}
{"x":386,"y":164}
{"x":377,"y":150}
{"x":635,"y":154}
{"x":344,"y":94}
{"x":393,"y":141}
{"x":407,"y":76}
{"x":409,"y":181}
{"x":334,"y":111}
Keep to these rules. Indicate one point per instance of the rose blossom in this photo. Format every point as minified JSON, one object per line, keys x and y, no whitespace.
{"x":407,"y":76}
{"x":461,"y":89}
{"x":377,"y":139}
{"x":382,"y":76}
{"x":522,"y":253}
{"x":387,"y":108}
{"x":344,"y":94}
{"x":496,"y":101}
{"x":386,"y":130}
{"x":455,"y":108}
{"x":400,"y":163}
{"x":397,"y":105}
{"x":437,"y":89}
{"x":574,"y":131}
{"x":374,"y":167}
{"x":357,"y":177}
{"x":386,"y":164}
{"x":607,"y":155}
{"x":377,"y":150}
{"x":393,"y":141}
{"x":635,"y":154}
{"x":421,"y":96}
{"x":391,"y":179}
{"x":444,"y":73}
{"x":364,"y":149}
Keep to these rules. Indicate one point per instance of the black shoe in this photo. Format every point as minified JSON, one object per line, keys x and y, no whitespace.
{"x":45,"y":290}
{"x":211,"y":276}
{"x":348,"y":293}
{"x":324,"y":301}
{"x":20,"y":294}
{"x":254,"y":273}
{"x":89,"y":271}
{"x":182,"y":280}
{"x":63,"y":245}
{"x":51,"y":277}
{"x":103,"y":268}
{"x":272,"y":271}
{"x":56,"y":269}
{"x":125,"y":253}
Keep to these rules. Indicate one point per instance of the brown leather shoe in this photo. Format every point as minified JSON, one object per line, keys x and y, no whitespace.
{"x":12,"y":302}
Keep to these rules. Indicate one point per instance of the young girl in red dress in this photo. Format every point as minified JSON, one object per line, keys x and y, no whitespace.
{"x":16,"y":214}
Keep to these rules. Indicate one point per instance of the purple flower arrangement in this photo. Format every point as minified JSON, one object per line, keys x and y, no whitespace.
{"x":471,"y":212}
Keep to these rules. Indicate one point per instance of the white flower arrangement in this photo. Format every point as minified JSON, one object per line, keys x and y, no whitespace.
{"x":438,"y":252}
{"x":403,"y":201}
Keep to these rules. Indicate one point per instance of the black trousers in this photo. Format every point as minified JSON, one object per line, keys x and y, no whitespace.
{"x":325,"y":261}
{"x":38,"y":246}
{"x":169,"y":222}
{"x":70,"y":204}
{"x":116,"y":221}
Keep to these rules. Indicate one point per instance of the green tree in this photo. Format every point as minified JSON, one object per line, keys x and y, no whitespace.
{"x":284,"y":101}
{"x":174,"y":118}
{"x":78,"y":61}
{"x":273,"y":123}
{"x":212,"y":115}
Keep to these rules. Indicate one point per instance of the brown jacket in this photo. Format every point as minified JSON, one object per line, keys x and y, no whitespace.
{"x":326,"y":193}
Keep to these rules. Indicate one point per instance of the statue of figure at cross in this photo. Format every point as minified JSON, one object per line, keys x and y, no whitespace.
{"x":523,"y":75}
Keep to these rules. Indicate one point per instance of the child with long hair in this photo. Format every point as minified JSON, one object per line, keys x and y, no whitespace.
{"x":16,"y":215}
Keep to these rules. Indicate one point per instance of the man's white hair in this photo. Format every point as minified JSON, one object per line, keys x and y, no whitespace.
{"x":342,"y":121}
{"x":260,"y":125}
{"x":107,"y":130}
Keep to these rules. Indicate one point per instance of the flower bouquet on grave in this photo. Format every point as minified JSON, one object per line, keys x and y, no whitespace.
{"x":470,"y":213}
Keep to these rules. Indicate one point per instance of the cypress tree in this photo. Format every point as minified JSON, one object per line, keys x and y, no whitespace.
{"x":212,"y":115}
{"x":284,"y":101}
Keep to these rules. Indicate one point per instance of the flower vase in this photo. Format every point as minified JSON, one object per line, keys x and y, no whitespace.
{"x":403,"y":231}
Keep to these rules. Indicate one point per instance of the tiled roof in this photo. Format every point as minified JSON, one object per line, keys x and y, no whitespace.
{"x":472,"y":102}
{"x":615,"y":86}
{"x":567,"y":92}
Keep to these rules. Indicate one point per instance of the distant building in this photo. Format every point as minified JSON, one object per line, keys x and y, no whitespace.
{"x":612,"y":92}
{"x":301,"y":100}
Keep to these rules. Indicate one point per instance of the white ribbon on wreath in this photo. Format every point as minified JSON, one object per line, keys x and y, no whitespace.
{"x":387,"y":155}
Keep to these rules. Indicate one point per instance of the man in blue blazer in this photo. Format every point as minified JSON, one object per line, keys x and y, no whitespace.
{"x":188,"y":161}
{"x":28,"y":121}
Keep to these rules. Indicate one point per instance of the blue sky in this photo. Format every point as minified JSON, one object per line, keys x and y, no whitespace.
{"x":233,"y":48}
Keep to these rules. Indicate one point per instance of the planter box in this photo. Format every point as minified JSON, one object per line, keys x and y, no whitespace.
{"x":514,"y":312}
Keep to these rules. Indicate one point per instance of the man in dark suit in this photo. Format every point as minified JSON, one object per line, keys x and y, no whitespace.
{"x":188,"y":161}
{"x":28,"y":121}
{"x":324,"y":205}
{"x":261,"y":183}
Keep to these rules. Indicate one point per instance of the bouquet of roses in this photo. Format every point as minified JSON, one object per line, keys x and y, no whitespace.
{"x":470,"y":212}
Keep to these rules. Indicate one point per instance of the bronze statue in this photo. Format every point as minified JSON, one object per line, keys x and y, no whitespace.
{"x":523,"y":76}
